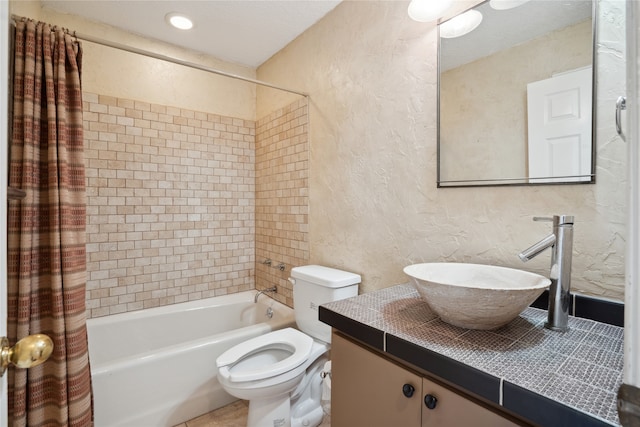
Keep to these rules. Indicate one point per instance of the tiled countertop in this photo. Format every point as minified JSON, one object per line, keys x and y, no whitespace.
{"x":549,"y":378}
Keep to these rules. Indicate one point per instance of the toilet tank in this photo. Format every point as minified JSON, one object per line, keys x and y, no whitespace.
{"x":314,"y":285}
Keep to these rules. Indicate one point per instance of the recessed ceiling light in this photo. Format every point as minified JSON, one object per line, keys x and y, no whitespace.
{"x":179,"y":21}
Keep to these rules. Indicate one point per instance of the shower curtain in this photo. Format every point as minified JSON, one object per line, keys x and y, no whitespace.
{"x":46,"y":230}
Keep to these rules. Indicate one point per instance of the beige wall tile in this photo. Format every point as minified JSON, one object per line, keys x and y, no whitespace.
{"x":171,"y":217}
{"x":280,"y":197}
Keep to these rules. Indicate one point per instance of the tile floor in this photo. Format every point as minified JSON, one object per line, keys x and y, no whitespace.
{"x":232,"y":415}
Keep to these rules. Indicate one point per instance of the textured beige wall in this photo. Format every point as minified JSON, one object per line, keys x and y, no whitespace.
{"x":483,"y":107}
{"x":374,"y":207}
{"x":113,"y":72}
{"x":269,"y":100}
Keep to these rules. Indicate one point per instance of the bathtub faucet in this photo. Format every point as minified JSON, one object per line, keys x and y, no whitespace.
{"x":273,"y":289}
{"x":561,"y":244}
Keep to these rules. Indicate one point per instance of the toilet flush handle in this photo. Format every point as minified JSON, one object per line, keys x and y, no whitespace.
{"x":292,"y":280}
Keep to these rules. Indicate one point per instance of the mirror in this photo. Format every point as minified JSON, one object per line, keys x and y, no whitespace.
{"x":515,"y":101}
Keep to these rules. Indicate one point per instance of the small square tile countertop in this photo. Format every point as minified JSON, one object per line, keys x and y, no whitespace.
{"x":550,"y":378}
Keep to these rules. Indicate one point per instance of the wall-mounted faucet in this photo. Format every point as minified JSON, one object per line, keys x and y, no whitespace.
{"x":281,"y":265}
{"x":273,"y":289}
{"x":561,"y":244}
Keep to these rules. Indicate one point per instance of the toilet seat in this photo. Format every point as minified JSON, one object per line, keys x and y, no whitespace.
{"x":291,"y":339}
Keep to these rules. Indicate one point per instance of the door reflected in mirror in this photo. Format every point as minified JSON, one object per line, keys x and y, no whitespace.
{"x":516,"y":97}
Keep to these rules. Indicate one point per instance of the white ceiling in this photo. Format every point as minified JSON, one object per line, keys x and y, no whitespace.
{"x":249,"y":32}
{"x":246,"y":32}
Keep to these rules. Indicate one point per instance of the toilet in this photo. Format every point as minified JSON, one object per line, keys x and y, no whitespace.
{"x":279,"y":373}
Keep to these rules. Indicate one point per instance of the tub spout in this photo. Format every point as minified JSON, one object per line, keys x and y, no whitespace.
{"x":273,"y":289}
{"x":561,"y":244}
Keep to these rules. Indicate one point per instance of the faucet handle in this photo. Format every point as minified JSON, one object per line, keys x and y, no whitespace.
{"x":543,"y":218}
{"x":556,"y":219}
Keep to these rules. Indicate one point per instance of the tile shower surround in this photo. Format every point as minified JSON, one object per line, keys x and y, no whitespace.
{"x":282,"y":176}
{"x":547,"y":377}
{"x":171,"y":202}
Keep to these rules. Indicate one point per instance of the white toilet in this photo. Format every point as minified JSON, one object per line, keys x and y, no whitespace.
{"x":279,"y":372}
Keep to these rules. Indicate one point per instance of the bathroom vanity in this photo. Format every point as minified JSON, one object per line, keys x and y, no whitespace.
{"x":394,"y":362}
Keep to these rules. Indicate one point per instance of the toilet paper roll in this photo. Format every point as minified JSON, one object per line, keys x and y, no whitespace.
{"x":326,"y":383}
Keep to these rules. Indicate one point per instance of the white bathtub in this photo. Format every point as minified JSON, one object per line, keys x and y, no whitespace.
{"x":156,"y":367}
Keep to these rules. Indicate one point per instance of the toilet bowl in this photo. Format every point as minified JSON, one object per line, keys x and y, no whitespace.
{"x":279,"y":373}
{"x":273,"y":363}
{"x":268,"y":370}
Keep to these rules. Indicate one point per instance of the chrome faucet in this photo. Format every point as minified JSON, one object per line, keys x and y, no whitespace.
{"x":273,"y":289}
{"x":561,"y":244}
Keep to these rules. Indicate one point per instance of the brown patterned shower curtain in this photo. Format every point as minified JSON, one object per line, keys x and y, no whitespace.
{"x":46,"y":230}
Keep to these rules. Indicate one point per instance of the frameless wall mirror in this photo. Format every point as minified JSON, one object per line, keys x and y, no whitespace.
{"x":516,"y":102}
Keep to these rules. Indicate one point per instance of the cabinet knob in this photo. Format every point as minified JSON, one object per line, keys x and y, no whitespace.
{"x":430,"y":401}
{"x":408,"y":390}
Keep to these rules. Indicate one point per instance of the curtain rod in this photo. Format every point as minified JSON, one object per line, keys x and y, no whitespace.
{"x":177,"y":61}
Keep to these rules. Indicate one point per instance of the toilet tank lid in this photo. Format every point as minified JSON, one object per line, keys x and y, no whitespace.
{"x":325,"y":276}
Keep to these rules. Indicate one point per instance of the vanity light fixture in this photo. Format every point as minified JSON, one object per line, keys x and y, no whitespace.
{"x":428,"y":10}
{"x":506,"y":4}
{"x":179,"y":21}
{"x":461,"y":24}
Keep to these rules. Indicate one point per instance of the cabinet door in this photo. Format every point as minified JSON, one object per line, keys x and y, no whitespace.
{"x":367,"y":390}
{"x":452,"y":410}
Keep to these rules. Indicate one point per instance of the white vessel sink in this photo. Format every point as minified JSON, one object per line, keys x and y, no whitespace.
{"x":476,"y":296}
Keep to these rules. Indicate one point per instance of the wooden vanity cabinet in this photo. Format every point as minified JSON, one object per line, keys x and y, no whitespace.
{"x":368,"y":390}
